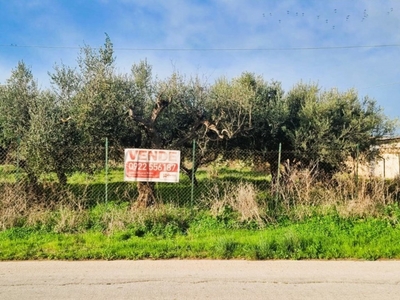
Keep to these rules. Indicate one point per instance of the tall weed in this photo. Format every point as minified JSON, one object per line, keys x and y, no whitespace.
{"x":303,"y":191}
{"x":14,"y":205}
{"x":241,"y":198}
{"x":21,"y":206}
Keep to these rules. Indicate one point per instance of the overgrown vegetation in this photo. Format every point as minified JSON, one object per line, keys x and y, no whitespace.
{"x":46,"y":130}
{"x":52,"y":144}
{"x":176,"y":233}
{"x":302,"y":218}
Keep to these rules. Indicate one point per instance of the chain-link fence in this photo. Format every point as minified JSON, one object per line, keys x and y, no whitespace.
{"x":98,"y":175}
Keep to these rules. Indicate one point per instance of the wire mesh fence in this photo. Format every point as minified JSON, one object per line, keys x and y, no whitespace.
{"x":96,"y":174}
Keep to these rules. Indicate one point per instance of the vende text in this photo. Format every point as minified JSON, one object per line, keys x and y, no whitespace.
{"x":144,"y":155}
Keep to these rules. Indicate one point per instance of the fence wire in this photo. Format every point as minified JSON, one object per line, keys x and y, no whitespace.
{"x":86,"y":175}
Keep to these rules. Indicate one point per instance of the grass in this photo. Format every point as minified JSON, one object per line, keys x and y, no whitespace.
{"x":236,"y":214}
{"x":327,"y":237}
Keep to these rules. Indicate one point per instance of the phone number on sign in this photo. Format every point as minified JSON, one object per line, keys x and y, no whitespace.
{"x":145,"y":166}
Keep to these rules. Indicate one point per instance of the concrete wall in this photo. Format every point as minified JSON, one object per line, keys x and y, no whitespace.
{"x":387,"y":164}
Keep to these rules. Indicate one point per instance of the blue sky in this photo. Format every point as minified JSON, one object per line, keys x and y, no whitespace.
{"x":336,"y":43}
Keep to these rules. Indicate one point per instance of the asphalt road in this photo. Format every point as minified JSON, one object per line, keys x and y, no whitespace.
{"x":199,"y":279}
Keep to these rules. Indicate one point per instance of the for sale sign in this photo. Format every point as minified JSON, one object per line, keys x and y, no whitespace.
{"x":152,"y":165}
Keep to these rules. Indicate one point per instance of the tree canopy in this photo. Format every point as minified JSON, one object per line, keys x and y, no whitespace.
{"x":92,"y":101}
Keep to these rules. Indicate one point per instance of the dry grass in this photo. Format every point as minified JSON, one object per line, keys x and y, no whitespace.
{"x":63,"y":212}
{"x":241,"y":198}
{"x":301,"y":192}
{"x":19,"y":205}
{"x":12,"y":208}
{"x":299,"y":186}
{"x":304,"y":188}
{"x":363,"y":197}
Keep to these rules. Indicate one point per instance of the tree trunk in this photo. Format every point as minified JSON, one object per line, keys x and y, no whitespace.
{"x":273,"y":166}
{"x":189,"y":172}
{"x":62,"y":178}
{"x":146,"y":196}
{"x":33,"y":187}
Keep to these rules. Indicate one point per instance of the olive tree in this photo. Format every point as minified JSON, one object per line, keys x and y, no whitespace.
{"x":138,"y":110}
{"x":93,"y":102}
{"x":328,"y":126}
{"x":268,"y":114}
{"x":177,"y":110}
{"x":17,"y":99}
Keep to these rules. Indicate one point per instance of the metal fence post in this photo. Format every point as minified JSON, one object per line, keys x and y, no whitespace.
{"x":384,"y":168}
{"x":193,"y":169}
{"x":106,"y":171}
{"x":18,"y":159}
{"x":278,"y":175}
{"x":357,"y":162}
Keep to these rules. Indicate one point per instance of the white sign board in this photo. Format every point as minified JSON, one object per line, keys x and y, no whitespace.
{"x":152,"y":165}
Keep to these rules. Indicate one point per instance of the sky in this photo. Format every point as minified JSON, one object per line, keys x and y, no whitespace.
{"x":334,"y":43}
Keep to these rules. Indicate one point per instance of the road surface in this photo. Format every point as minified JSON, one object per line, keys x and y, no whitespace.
{"x":199,"y":279}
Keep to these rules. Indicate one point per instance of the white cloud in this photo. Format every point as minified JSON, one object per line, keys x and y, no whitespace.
{"x":220,"y":24}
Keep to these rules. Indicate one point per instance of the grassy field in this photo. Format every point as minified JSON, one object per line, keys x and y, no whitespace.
{"x":318,"y":237}
{"x":236,"y":214}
